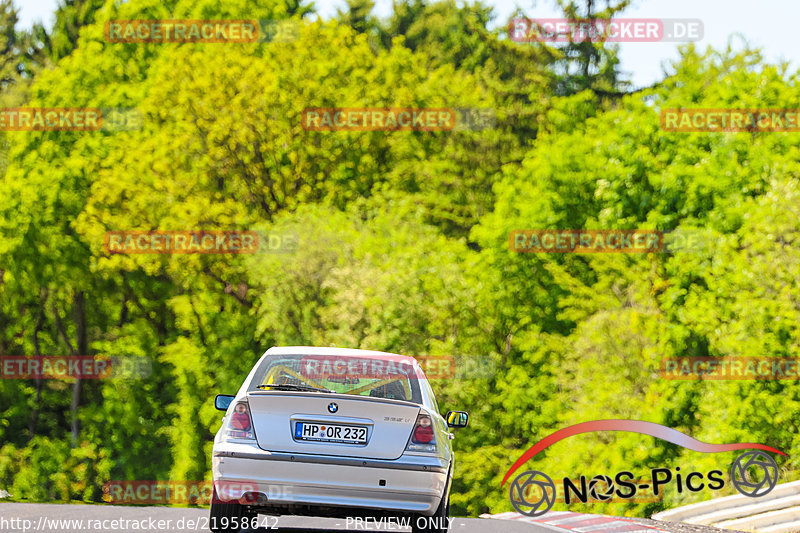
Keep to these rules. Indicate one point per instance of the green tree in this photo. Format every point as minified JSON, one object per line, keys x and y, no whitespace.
{"x":358,"y":15}
{"x":589,"y":63}
{"x":71,"y":17}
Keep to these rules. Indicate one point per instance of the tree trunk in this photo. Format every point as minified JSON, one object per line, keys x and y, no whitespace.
{"x":37,"y":352}
{"x":82,"y":349}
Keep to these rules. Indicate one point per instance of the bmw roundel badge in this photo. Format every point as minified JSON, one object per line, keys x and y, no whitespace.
{"x":332,"y":407}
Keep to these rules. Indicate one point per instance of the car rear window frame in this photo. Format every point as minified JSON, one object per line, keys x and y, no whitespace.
{"x":417,"y":396}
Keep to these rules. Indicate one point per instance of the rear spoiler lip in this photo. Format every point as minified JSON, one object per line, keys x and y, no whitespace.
{"x":336,"y":395}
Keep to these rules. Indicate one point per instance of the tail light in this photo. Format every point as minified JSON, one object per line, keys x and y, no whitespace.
{"x":423,"y":437}
{"x":240,"y":425}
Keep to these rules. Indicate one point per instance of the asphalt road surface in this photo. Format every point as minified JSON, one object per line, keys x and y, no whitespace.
{"x":44,"y":518}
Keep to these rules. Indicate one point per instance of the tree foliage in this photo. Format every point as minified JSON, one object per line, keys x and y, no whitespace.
{"x":403,"y":240}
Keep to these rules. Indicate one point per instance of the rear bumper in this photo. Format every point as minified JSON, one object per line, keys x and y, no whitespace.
{"x":411,"y":484}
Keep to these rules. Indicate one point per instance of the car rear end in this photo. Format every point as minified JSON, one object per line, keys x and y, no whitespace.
{"x":370,"y":444}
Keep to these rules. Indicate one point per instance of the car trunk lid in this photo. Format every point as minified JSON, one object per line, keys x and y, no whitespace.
{"x":276,"y":415}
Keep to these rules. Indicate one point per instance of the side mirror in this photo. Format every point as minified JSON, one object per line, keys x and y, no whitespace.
{"x":222,"y":401}
{"x":457,"y":419}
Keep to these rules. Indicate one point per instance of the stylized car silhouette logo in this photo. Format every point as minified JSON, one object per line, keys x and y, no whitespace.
{"x":747,"y":481}
{"x":526,"y":487}
{"x":332,"y":407}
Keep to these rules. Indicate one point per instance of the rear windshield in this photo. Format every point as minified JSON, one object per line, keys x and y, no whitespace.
{"x":359,"y":376}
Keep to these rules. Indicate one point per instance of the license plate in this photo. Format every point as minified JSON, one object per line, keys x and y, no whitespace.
{"x":330,"y":433}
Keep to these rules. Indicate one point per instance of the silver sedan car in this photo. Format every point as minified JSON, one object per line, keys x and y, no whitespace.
{"x":335,"y":432}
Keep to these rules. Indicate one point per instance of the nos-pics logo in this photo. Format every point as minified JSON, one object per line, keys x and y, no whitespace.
{"x":532,"y":493}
